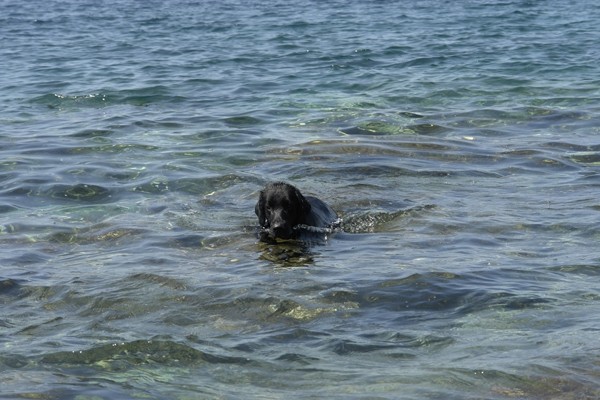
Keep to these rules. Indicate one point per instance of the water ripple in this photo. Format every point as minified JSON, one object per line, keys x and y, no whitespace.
{"x":458,"y":143}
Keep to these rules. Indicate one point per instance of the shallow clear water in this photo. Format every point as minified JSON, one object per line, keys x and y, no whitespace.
{"x":460,"y":143}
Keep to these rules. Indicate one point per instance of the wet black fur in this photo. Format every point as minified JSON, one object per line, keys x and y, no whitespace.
{"x":281,"y":207}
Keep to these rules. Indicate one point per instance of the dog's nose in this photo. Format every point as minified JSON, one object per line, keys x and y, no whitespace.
{"x":280,"y":231}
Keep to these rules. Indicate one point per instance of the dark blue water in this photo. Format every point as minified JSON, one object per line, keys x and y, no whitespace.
{"x":459,"y":142}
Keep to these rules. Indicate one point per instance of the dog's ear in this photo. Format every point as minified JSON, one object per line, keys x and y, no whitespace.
{"x":304,"y":204}
{"x":259,"y":209}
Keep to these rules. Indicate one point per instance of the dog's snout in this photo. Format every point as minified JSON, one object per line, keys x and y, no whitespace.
{"x":278,"y":227}
{"x":281,"y":229}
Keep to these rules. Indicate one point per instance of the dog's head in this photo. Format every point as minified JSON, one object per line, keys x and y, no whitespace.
{"x":280,"y":208}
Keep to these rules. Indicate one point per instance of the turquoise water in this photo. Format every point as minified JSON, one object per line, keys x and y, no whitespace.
{"x":459,"y":142}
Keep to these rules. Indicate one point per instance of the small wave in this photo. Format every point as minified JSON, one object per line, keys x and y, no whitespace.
{"x":138,"y":352}
{"x":135,"y":97}
{"x":376,"y":127}
{"x":80,"y":192}
{"x":444,"y":291}
{"x":374,"y":221}
{"x":589,"y":158}
{"x":8,"y":285}
{"x":94,"y":234}
{"x":243,"y":120}
{"x":63,"y":101}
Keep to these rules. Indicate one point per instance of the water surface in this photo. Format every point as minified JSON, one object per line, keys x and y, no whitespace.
{"x":458,"y":141}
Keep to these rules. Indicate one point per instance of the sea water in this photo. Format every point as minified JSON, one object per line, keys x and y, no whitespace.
{"x":458,"y":141}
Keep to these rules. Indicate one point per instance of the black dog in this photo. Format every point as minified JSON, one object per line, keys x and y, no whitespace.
{"x":281,"y":208}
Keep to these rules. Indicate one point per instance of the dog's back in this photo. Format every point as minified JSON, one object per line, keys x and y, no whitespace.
{"x":320,"y":215}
